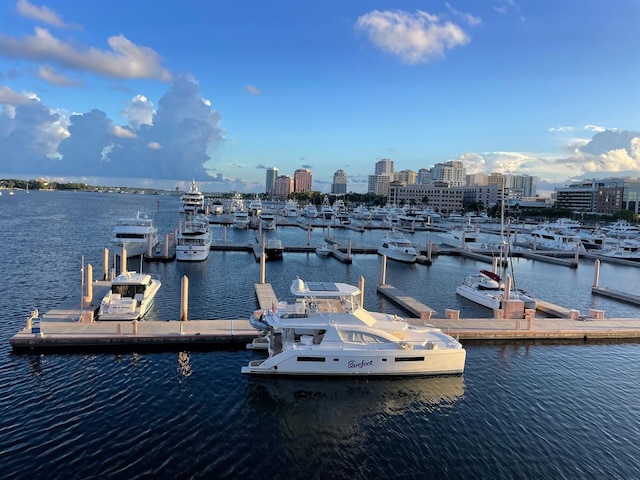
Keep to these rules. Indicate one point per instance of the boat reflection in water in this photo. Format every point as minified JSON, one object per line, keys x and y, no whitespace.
{"x":348,"y":404}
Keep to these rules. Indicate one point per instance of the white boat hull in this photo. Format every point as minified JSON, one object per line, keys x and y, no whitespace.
{"x":491,"y":298}
{"x":398,"y":255}
{"x":310,"y":362}
{"x":192,"y":254}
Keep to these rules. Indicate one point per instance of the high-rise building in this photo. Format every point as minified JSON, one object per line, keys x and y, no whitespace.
{"x":302,"y":180}
{"x":339,"y":185}
{"x":384,"y":167}
{"x":424,"y":176}
{"x":283,"y":186}
{"x":408,"y":177}
{"x":379,"y":184}
{"x":272,"y":174}
{"x":452,"y":173}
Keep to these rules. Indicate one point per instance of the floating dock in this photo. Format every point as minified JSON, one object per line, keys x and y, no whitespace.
{"x":410,"y":304}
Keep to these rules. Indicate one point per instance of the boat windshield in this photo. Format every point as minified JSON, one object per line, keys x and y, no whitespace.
{"x":125,"y":290}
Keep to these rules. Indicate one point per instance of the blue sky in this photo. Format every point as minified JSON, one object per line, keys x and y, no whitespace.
{"x":156,"y":93}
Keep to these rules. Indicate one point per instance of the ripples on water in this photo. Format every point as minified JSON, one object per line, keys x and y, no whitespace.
{"x":519,"y":411}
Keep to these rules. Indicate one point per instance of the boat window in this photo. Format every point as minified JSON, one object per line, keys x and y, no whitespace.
{"x":409,"y":359}
{"x":311,"y":359}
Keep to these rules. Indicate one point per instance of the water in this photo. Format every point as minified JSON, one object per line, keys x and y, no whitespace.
{"x":519,"y":410}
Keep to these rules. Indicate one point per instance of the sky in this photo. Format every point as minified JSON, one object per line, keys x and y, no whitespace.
{"x":155,"y":94}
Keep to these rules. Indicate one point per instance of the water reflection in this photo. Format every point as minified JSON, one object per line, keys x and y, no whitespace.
{"x":184,"y":365}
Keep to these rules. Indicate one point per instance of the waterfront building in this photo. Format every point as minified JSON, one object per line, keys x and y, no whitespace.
{"x":272,"y":174}
{"x":409,"y":177}
{"x":479,"y":179}
{"x":440,"y":197}
{"x":453,"y":173}
{"x":339,"y":185}
{"x":489,"y":195}
{"x":378,"y":184}
{"x":424,"y":176}
{"x":384,"y":167}
{"x":283,"y":186}
{"x":302,"y":180}
{"x":602,"y":196}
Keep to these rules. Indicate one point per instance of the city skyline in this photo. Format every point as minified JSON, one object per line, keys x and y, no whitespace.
{"x":537,"y":88}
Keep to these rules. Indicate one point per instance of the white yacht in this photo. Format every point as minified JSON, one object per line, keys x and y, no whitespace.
{"x":291,"y":209}
{"x":327,"y":332}
{"x":396,"y":247}
{"x":465,"y":237}
{"x":192,"y":201}
{"x":310,"y":211}
{"x":486,"y":289}
{"x":240,"y":219}
{"x":326,"y":210}
{"x":134,"y":233}
{"x":268,"y":219}
{"x":194,"y":239}
{"x":255,"y":207}
{"x":130,"y":298}
{"x":554,"y":239}
{"x":361,"y":212}
{"x":623,"y":229}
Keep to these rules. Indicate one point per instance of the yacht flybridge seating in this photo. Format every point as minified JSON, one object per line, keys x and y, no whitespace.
{"x":327,"y":332}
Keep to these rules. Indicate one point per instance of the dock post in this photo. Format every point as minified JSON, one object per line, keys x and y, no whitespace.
{"x":507,"y":288}
{"x":596,"y":274}
{"x":149,"y":246}
{"x":175,"y":236}
{"x":576,"y":259}
{"x":123,"y":260}
{"x":105,"y":264}
{"x":494,"y":265}
{"x":361,"y":287}
{"x":263,"y":266}
{"x":429,"y":248}
{"x":184,"y":299}
{"x":134,"y":327}
{"x":309,"y":233}
{"x":118,"y":329}
{"x":349,"y":250}
{"x":89,"y":298}
{"x":383,"y":270}
{"x":166,"y":245}
{"x":224,"y":234}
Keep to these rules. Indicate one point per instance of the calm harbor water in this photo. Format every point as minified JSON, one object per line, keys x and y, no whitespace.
{"x":519,"y":410}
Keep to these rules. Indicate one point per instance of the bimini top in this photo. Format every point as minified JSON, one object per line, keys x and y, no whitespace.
{"x":323,"y":289}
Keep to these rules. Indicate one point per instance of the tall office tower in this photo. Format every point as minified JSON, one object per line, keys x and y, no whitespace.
{"x":339,"y":185}
{"x":302,"y":180}
{"x":283,"y":186}
{"x":272,"y":174}
{"x":384,"y":167}
{"x":452,"y":172}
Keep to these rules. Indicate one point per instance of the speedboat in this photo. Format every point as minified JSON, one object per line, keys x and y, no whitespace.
{"x":194,"y":239}
{"x":134,"y":234}
{"x":130,"y":298}
{"x":274,"y":249}
{"x":192,"y":201}
{"x":396,"y":247}
{"x":323,"y":250}
{"x":327,"y":332}
{"x":486,"y":289}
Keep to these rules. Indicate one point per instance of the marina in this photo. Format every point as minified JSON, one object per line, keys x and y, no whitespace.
{"x":193,"y":396}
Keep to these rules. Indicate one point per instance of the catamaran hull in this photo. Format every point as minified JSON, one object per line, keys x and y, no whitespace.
{"x":357,"y":363}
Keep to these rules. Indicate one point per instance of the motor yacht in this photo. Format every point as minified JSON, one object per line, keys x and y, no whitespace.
{"x":194,"y":239}
{"x":323,"y":250}
{"x":240,"y":219}
{"x":327,"y":332}
{"x":130,"y":298}
{"x":466,"y":237}
{"x":274,"y":249}
{"x":134,"y":234}
{"x":291,"y":209}
{"x":268,"y":219}
{"x":397,"y":247}
{"x":192,"y":201}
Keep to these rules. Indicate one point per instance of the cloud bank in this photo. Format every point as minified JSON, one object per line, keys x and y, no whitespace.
{"x":170,"y":142}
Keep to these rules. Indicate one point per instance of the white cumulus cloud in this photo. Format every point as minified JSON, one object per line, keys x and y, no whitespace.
{"x":42,"y":14}
{"x":414,"y":38}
